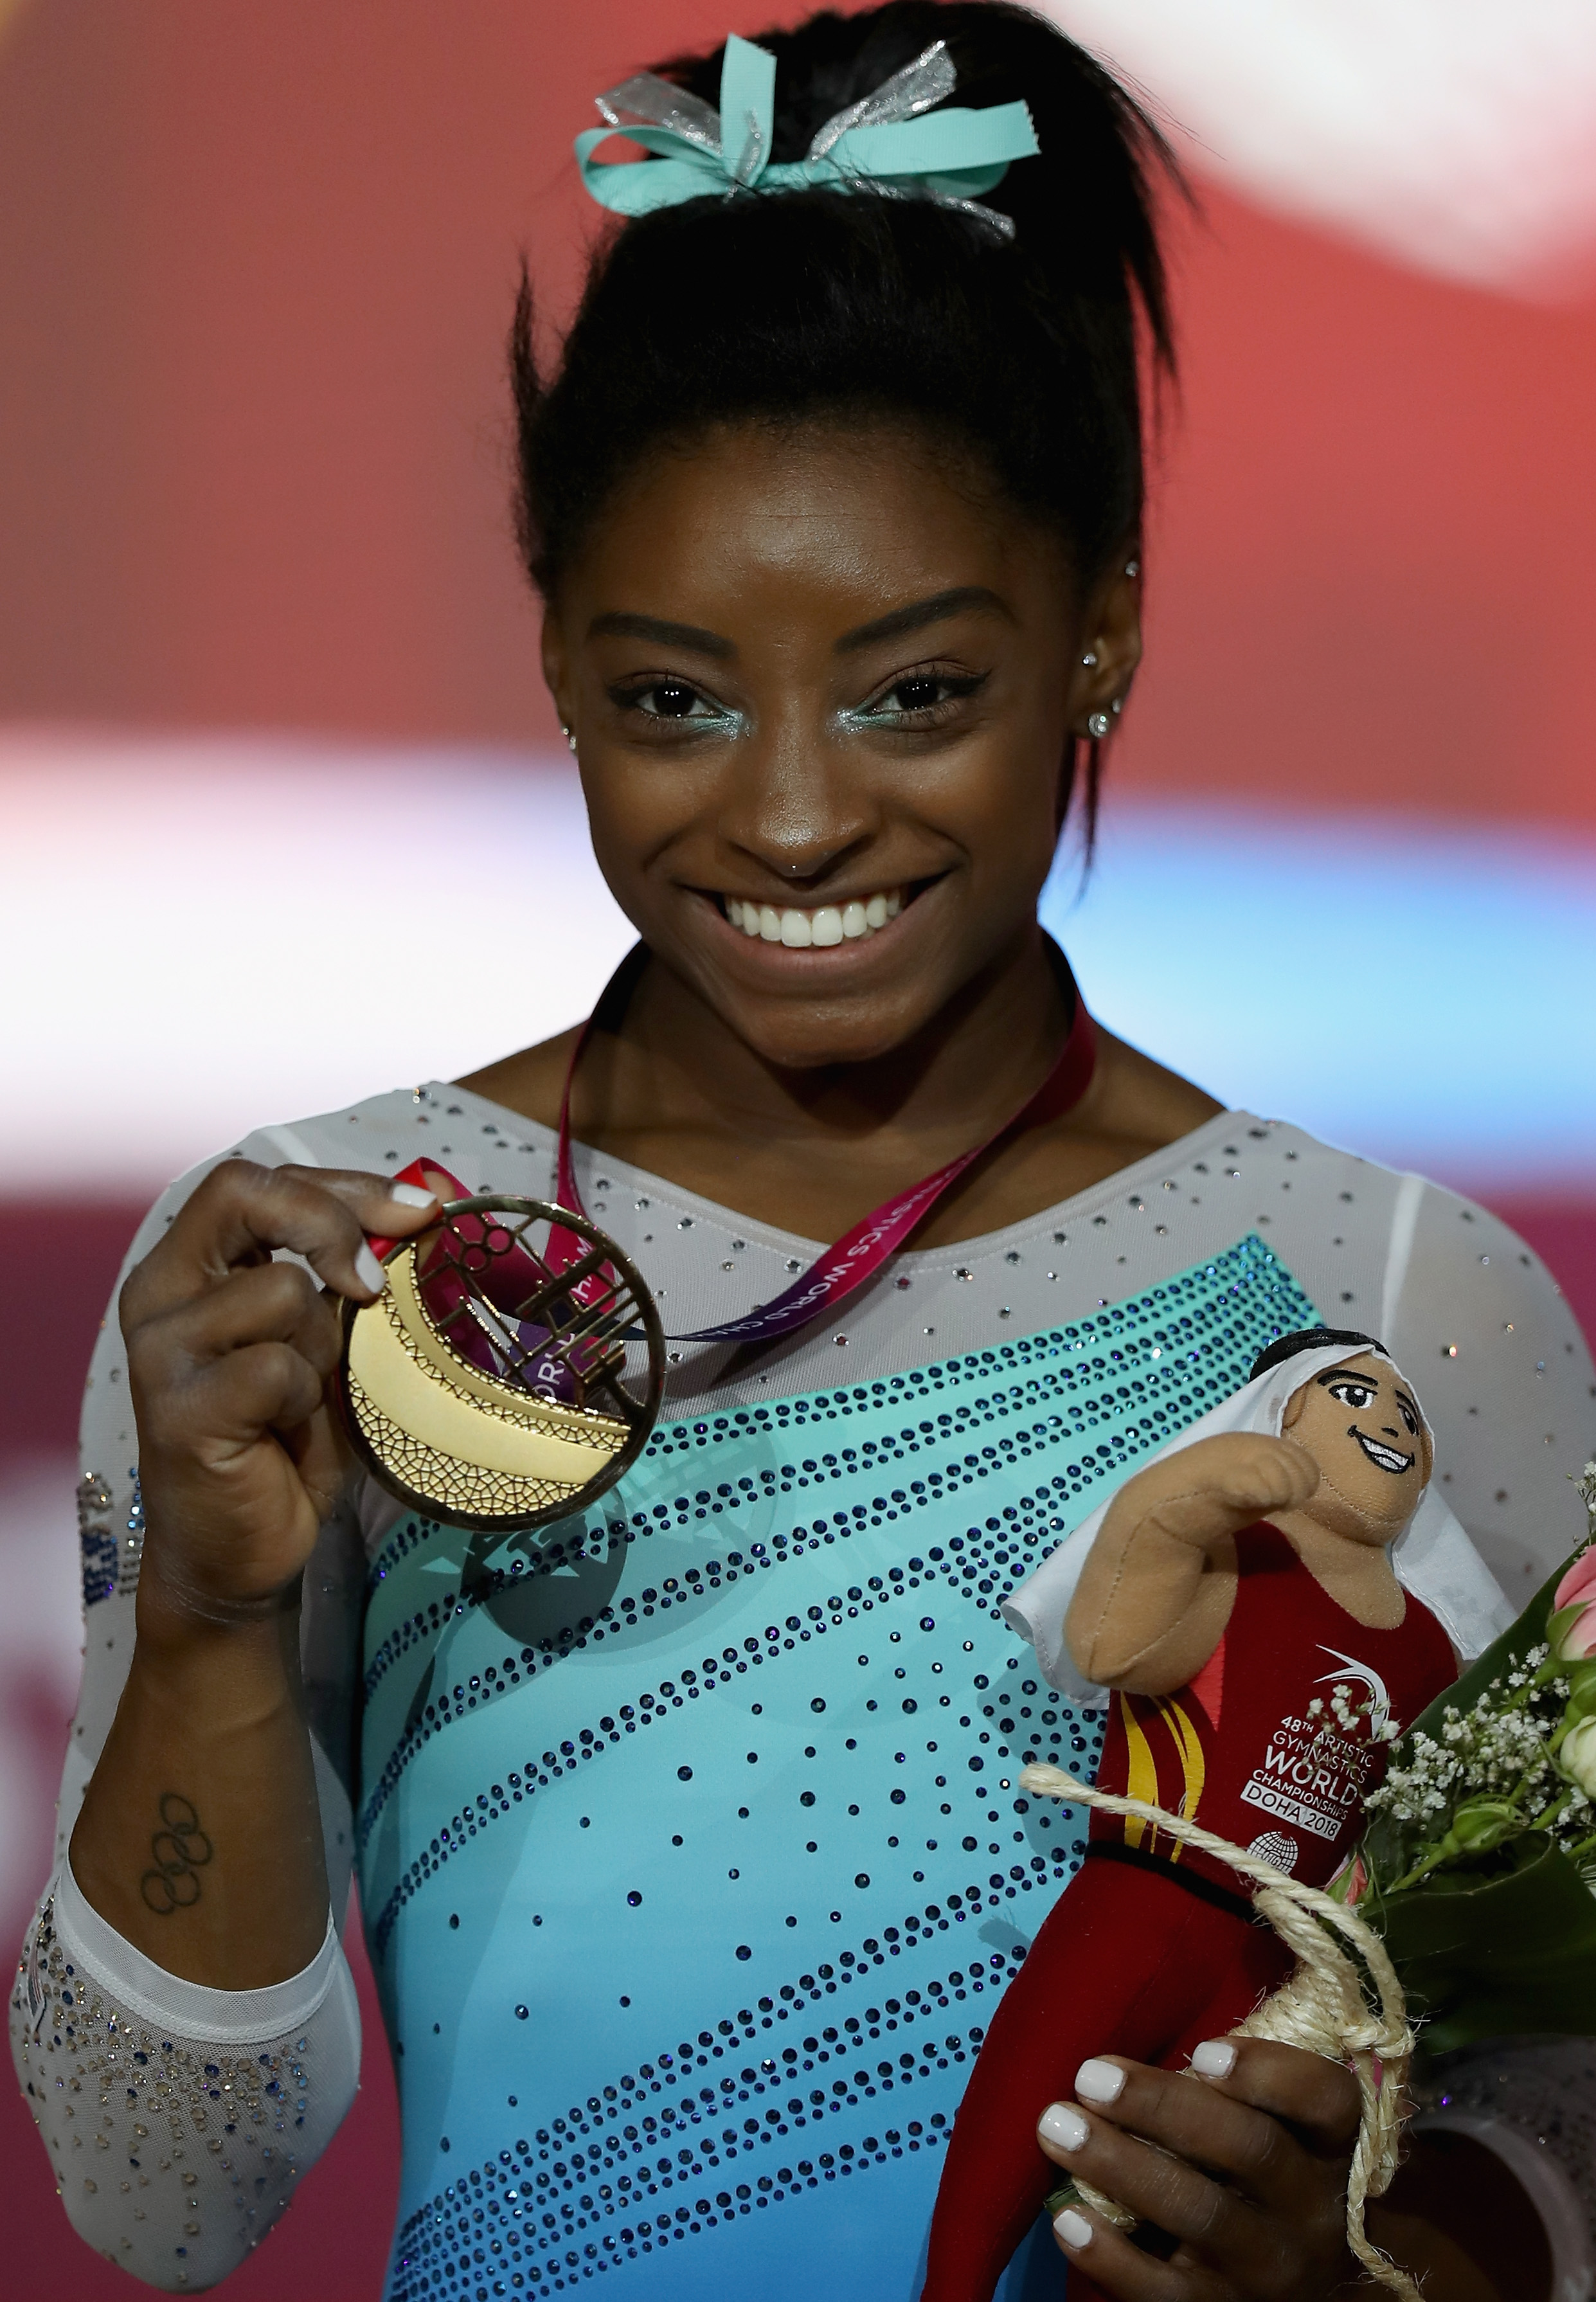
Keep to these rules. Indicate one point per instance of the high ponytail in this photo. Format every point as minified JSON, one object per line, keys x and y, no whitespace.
{"x":785,"y":304}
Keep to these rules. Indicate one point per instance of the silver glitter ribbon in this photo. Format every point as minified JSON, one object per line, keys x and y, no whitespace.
{"x":872,"y":145}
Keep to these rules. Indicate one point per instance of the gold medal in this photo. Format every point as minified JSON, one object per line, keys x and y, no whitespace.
{"x":509,"y":1372}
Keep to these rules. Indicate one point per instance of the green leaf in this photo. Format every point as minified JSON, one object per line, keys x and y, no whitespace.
{"x":1483,"y":1957}
{"x":1388,"y":1847}
{"x":1501,"y":1657}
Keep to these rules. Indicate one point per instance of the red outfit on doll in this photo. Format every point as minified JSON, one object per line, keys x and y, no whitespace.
{"x":1151,"y":1950}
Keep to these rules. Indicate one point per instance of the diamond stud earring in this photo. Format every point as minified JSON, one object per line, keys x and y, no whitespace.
{"x":1099,"y":725}
{"x":570,"y":739}
{"x":1089,"y":658}
{"x":1133,"y":567}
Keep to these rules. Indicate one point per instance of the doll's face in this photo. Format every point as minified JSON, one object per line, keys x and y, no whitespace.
{"x":1361,"y":1425}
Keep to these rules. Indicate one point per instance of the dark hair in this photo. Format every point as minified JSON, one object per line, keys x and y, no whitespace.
{"x":780,"y":306}
{"x":1310,"y":1339}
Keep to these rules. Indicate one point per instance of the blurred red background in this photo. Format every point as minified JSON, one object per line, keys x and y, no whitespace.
{"x":256,"y":272}
{"x":256,"y":269}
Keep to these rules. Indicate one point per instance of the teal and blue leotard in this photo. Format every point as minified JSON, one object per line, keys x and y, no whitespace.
{"x":691,"y":1855}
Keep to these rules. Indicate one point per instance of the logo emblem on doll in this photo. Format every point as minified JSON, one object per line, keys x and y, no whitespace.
{"x":1275,"y":1846}
{"x":1360,"y":1675}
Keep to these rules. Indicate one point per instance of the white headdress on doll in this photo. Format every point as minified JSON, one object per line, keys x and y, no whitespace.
{"x":1434,"y":1557}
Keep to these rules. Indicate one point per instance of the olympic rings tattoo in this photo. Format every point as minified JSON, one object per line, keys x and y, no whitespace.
{"x":179,"y":1849}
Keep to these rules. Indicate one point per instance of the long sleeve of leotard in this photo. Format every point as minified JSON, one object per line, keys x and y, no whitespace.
{"x":179,"y":2118}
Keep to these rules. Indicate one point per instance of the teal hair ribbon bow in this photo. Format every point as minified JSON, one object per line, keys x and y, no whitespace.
{"x":881,"y":144}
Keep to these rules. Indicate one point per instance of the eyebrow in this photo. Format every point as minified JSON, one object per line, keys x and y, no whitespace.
{"x":1345,"y":1374}
{"x":619,"y":623}
{"x":914,"y":618}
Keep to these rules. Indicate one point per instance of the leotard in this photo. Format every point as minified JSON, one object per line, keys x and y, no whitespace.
{"x":691,"y":1861}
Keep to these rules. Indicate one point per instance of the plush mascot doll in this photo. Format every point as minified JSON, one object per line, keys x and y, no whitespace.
{"x":1236,"y":1597}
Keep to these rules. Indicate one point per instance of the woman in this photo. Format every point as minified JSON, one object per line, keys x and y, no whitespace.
{"x":690,"y":1857}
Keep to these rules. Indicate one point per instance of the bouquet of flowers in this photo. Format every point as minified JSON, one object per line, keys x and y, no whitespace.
{"x":1477,"y":1864}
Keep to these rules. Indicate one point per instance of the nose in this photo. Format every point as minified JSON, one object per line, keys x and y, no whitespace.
{"x":796,"y":808}
{"x":801,"y":860}
{"x":1389,"y":1430}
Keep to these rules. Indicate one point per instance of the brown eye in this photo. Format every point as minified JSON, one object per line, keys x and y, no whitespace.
{"x":926,"y":697}
{"x":920,"y":694}
{"x":670,"y":700}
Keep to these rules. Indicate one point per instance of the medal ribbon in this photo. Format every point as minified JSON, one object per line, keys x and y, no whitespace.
{"x":856,"y":1257}
{"x":851,"y":1261}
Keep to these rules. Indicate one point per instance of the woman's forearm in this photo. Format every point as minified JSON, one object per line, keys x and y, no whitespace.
{"x":200,"y":1838}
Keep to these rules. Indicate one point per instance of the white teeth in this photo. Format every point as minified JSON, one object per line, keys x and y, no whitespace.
{"x":831,"y":923}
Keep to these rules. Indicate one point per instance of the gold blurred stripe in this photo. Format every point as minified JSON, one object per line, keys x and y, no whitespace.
{"x":1193,"y":1765}
{"x":1141,"y":1775}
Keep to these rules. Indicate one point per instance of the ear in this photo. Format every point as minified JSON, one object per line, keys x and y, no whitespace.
{"x":1111,"y":634}
{"x":1294,"y":1407}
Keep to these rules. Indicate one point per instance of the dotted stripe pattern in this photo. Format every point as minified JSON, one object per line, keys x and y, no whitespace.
{"x":595,"y":2169}
{"x":1149,"y":1369}
{"x":984,"y":1464}
{"x":590,"y":1742}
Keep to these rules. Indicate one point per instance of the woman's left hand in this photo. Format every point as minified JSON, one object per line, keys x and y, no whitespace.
{"x":1248,"y":2173}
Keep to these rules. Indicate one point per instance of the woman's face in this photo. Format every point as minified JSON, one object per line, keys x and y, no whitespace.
{"x":822,"y":683}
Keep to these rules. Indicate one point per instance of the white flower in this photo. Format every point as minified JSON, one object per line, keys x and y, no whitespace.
{"x":1578,"y":1757}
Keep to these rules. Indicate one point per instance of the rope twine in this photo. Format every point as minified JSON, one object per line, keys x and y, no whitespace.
{"x":1350,"y":2011}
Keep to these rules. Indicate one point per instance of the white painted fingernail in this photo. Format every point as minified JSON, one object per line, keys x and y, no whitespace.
{"x":1073,"y":2229}
{"x":1215,"y":2058}
{"x":411,"y":1195}
{"x":369,"y":1271}
{"x":1100,"y":2081}
{"x":1064,"y":2128}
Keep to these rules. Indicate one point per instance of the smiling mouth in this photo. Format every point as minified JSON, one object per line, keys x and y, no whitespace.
{"x":1387,"y":1459}
{"x":822,"y":926}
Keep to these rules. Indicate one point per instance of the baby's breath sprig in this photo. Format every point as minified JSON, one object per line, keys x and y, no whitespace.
{"x":1520,"y":1757}
{"x":1490,"y":1798}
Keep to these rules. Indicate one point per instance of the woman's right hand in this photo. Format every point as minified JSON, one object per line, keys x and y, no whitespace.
{"x":230,"y":1354}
